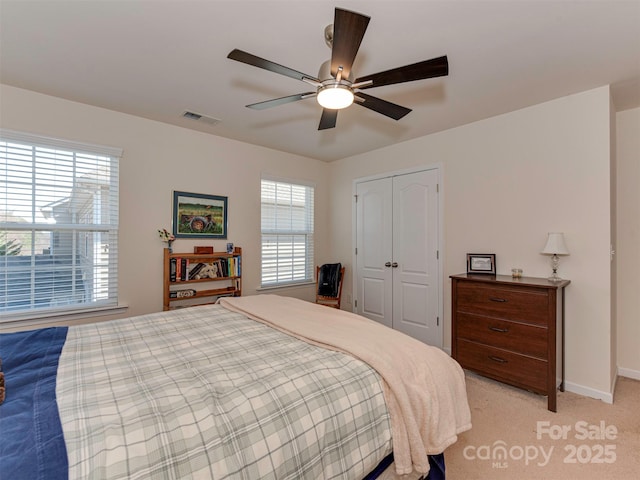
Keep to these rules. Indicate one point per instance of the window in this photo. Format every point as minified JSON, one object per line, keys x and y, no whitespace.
{"x":58,"y":225}
{"x":287,"y":233}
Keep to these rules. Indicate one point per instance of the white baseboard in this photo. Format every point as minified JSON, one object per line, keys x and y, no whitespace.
{"x":606,"y":397}
{"x":629,"y":373}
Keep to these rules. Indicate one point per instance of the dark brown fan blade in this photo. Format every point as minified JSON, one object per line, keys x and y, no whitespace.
{"x":382,"y":106}
{"x":328,"y":119}
{"x":348,"y":31}
{"x":250,"y":59}
{"x":436,"y":67}
{"x":281,"y":101}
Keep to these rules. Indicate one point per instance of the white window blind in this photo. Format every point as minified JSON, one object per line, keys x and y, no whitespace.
{"x":287,"y":233}
{"x":58,"y":225}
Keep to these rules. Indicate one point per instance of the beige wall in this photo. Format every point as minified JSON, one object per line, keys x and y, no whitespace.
{"x":628,"y":244}
{"x":507,"y":181}
{"x":157,"y":159}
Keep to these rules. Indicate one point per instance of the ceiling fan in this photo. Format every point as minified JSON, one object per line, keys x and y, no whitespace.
{"x":335,"y":89}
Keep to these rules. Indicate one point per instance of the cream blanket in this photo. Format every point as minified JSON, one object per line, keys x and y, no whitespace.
{"x":424,"y":388}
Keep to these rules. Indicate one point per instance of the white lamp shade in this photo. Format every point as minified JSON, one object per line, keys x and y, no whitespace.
{"x":555,"y":245}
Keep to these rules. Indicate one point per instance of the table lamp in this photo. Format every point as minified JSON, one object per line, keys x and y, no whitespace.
{"x":555,"y":246}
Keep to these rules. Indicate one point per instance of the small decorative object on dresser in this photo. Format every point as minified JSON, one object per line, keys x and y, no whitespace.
{"x":481,"y":263}
{"x":510,"y":330}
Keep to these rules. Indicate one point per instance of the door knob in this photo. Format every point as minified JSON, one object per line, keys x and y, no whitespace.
{"x":394,"y":264}
{"x":388,"y":264}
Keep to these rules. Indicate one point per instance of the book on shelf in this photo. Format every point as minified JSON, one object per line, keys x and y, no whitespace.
{"x":181,"y":269}
{"x":184,"y":269}
{"x":193,"y":271}
{"x":173,"y":270}
{"x":232,"y":266}
{"x":186,"y":293}
{"x":224,"y":267}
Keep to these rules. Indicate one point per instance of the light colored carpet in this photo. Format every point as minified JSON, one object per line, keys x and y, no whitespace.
{"x":514,"y":436}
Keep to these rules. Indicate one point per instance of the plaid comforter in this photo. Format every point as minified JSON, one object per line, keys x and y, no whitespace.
{"x":207,"y":393}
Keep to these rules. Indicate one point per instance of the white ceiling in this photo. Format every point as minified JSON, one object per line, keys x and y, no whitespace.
{"x":157,"y":59}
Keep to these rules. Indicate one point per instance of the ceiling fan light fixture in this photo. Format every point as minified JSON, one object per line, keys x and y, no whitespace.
{"x":335,"y":96}
{"x":336,"y":85}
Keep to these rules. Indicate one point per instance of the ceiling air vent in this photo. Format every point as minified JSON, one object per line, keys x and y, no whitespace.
{"x":198,"y":117}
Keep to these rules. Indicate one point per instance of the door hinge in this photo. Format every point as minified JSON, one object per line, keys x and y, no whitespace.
{"x":437,"y":254}
{"x":437,"y":188}
{"x":356,"y":197}
{"x":356,"y":250}
{"x":355,"y":303}
{"x":437,"y":321}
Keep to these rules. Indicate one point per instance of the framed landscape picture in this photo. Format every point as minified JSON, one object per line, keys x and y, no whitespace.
{"x":196,"y":215}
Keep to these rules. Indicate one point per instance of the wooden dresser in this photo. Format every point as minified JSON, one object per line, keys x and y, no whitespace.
{"x":510,"y":329}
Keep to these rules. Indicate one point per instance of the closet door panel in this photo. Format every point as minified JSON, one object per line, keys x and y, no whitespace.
{"x":415,"y":279}
{"x":373,"y":243}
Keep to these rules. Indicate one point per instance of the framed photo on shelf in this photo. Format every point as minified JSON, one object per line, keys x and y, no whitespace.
{"x":481,"y":263}
{"x":196,"y":215}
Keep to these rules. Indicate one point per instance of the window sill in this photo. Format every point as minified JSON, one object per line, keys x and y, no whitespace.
{"x":36,"y":320}
{"x":288,"y":285}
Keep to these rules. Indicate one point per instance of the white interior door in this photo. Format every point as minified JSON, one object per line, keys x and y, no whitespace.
{"x":396,"y":262}
{"x":374,"y":250}
{"x":415,"y":256}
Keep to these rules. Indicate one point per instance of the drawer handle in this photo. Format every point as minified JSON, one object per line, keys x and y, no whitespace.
{"x":494,"y":299}
{"x":498,"y":359}
{"x":498,"y":329}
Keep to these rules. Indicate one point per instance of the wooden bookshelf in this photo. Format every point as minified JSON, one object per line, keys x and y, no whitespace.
{"x":224,"y":277}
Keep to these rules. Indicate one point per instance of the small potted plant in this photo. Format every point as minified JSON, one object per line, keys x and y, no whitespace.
{"x":168,"y":237}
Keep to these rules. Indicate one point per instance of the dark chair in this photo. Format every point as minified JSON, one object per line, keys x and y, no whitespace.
{"x":329,"y":284}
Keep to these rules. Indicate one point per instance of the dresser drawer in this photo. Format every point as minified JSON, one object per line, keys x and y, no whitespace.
{"x":503,"y":365}
{"x":524,"y":304}
{"x":519,"y":338}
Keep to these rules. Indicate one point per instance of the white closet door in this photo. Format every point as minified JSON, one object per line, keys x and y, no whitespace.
{"x":415,"y":256}
{"x":397,"y":265}
{"x":374,"y":250}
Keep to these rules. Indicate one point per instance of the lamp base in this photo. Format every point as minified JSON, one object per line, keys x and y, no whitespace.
{"x":555,"y":261}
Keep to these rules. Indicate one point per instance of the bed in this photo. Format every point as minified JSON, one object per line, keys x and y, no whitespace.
{"x":253,"y":387}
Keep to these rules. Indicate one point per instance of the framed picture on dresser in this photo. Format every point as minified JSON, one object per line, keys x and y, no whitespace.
{"x":481,"y":263}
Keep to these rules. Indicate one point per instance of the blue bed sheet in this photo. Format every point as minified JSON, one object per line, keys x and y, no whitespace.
{"x":31,"y":441}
